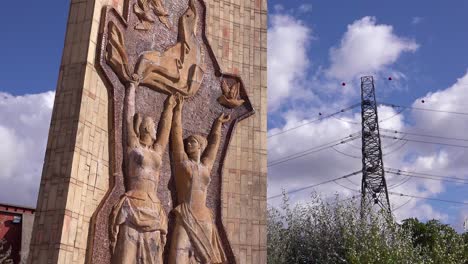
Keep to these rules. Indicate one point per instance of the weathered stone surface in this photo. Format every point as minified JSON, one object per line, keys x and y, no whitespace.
{"x":80,"y":174}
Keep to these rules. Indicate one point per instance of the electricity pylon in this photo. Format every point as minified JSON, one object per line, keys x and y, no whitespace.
{"x":374,"y":187}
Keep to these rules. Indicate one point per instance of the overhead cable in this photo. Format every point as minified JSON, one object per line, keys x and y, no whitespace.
{"x":428,"y":198}
{"x":315,"y":120}
{"x":313,"y":150}
{"x":314,"y":185}
{"x":425,"y":109}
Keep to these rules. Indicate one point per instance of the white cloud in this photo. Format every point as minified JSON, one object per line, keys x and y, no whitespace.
{"x":366,"y":48}
{"x":423,"y":158}
{"x":24,"y":126}
{"x":423,"y":211}
{"x":288,"y":39}
{"x":452,"y":99}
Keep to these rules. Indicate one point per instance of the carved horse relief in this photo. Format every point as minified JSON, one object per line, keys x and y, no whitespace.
{"x":147,"y":63}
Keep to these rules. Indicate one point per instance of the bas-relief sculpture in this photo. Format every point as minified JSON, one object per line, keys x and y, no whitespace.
{"x":138,"y":221}
{"x":177,"y":69}
{"x":230,"y":97}
{"x":144,"y":9}
{"x":195,"y":237}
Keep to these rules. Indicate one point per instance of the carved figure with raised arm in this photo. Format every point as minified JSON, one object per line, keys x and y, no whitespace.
{"x":138,"y":222}
{"x":195,"y":237}
{"x":178,"y":69}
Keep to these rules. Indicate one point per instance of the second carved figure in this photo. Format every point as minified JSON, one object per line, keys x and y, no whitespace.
{"x":195,"y":237}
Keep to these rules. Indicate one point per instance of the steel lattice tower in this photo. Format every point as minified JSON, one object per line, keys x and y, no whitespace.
{"x":374,"y":187}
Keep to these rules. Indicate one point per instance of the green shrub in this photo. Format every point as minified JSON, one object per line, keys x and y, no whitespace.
{"x":319,"y":231}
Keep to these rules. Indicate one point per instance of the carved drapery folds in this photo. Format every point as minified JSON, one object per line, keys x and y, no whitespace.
{"x":147,"y":62}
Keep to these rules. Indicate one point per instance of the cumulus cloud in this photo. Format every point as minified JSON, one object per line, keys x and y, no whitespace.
{"x":316,"y":167}
{"x":24,"y":126}
{"x":452,"y":99}
{"x":366,"y":48}
{"x":288,"y":39}
{"x":345,"y":158}
{"x":398,"y":153}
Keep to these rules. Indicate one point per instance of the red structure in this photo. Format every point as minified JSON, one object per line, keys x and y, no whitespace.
{"x":12,"y":223}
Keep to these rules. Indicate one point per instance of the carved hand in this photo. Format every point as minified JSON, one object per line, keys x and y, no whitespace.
{"x":223,"y":118}
{"x":135,"y":79}
{"x":170,"y":102}
{"x":179,"y":101}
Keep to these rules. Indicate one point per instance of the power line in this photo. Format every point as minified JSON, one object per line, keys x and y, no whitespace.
{"x":313,"y":150}
{"x":400,"y":183}
{"x":428,"y":198}
{"x":356,"y":123}
{"x":394,"y":142}
{"x":426,"y":174}
{"x":427,"y":142}
{"x":326,"y":144}
{"x":353,"y":183}
{"x":395,"y":149}
{"x":315,"y":120}
{"x":314,"y":185}
{"x":347,"y":121}
{"x":391,"y":117}
{"x":401,"y":205}
{"x":346,"y":187}
{"x":425,"y":109}
{"x":426,"y":177}
{"x":346,"y":154}
{"x":422,"y":135}
{"x":380,"y":121}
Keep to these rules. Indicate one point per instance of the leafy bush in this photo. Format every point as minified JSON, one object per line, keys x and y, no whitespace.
{"x":5,"y":252}
{"x":320,"y":231}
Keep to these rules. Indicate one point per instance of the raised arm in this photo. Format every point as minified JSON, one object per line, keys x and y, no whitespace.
{"x":164,"y":127}
{"x":132,"y":137}
{"x":214,"y":138}
{"x":177,"y":142}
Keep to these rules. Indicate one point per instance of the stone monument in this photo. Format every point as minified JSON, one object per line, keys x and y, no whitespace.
{"x":157,"y":144}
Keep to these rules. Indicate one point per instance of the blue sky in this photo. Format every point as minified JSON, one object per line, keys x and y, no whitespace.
{"x":32,"y":38}
{"x":314,"y":46}
{"x":440,"y":27}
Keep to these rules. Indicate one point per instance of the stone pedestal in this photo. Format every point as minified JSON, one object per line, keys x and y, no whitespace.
{"x":82,"y":169}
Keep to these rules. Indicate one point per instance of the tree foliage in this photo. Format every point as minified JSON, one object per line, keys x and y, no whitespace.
{"x":440,"y":242}
{"x":320,"y":231}
{"x":5,"y":253}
